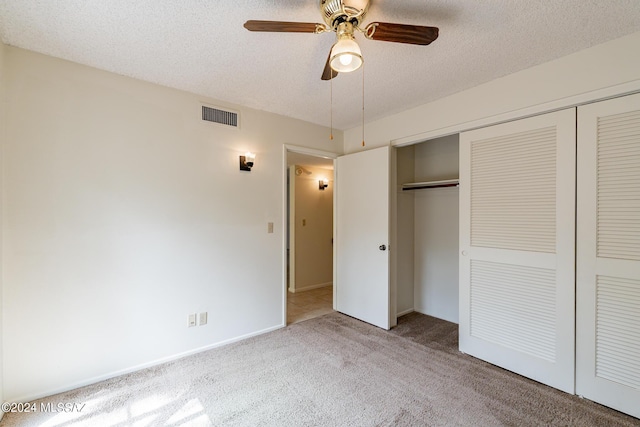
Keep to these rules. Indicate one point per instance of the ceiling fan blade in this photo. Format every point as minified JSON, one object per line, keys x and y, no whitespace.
{"x":282,"y":27}
{"x":328,"y":72}
{"x":401,"y":33}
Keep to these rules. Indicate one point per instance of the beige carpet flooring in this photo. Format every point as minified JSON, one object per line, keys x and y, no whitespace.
{"x":329,"y":371}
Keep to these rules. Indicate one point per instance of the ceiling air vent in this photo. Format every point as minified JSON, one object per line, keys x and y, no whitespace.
{"x":222,"y":117}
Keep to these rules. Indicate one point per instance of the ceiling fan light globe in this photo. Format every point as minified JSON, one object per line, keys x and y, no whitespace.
{"x":345,"y":56}
{"x":346,"y":62}
{"x":346,"y":59}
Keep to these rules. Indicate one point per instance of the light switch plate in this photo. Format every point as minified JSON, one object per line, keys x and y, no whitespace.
{"x":203,"y":318}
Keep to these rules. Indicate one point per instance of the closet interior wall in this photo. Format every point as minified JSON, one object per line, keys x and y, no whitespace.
{"x":427,"y":227}
{"x":404,"y":231}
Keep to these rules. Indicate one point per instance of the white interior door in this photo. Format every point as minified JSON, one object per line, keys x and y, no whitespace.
{"x":608,"y":258}
{"x":517,"y":230}
{"x":362,"y":287}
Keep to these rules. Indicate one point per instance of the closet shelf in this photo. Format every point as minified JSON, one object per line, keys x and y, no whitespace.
{"x":430,"y":184}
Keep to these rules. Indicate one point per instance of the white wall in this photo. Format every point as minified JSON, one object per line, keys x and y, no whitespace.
{"x":3,"y":128}
{"x":123,"y":213}
{"x":313,"y":225}
{"x":436,"y":230}
{"x":612,"y":67}
{"x":405,"y":231}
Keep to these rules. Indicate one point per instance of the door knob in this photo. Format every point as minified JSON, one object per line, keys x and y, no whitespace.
{"x":383,"y":247}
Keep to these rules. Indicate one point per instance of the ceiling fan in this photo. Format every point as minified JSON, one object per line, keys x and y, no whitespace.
{"x":344,"y":17}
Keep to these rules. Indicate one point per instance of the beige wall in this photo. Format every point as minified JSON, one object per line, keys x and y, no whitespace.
{"x":602,"y":70}
{"x":123,"y":213}
{"x":313,"y":228}
{"x":436,"y":230}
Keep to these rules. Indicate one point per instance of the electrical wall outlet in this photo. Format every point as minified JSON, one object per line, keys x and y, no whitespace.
{"x":269,"y":227}
{"x":192,"y":320}
{"x":203,"y":318}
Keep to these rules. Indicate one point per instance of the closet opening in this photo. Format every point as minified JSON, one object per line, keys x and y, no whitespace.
{"x":427,"y":228}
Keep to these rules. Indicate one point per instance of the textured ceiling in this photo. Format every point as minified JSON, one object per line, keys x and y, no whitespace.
{"x":200,"y":46}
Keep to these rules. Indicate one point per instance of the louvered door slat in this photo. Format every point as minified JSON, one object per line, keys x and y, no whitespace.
{"x":618,"y":330}
{"x":503,"y":171}
{"x":517,"y":301}
{"x":620,"y":150}
{"x":618,"y":165}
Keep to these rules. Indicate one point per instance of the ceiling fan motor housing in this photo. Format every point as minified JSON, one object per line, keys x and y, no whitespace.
{"x":335,"y":12}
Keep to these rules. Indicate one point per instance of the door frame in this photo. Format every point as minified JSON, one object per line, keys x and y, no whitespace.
{"x":286,"y":148}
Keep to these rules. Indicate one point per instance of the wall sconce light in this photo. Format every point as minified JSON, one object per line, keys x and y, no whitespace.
{"x":323,"y":183}
{"x":247,"y":161}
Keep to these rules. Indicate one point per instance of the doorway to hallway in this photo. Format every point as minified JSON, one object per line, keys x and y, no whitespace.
{"x":309,"y":236}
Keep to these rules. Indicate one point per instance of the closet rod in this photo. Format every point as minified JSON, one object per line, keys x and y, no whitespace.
{"x":430,"y":184}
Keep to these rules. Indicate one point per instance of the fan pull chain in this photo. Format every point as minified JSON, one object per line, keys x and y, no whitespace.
{"x":331,"y":106}
{"x":363,"y":104}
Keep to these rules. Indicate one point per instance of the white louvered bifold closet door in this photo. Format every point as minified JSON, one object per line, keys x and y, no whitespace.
{"x":608,"y":258}
{"x":517,"y":262}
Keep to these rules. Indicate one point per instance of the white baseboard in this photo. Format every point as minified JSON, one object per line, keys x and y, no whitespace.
{"x":97,"y":379}
{"x":402,"y":313}
{"x":310,"y":287}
